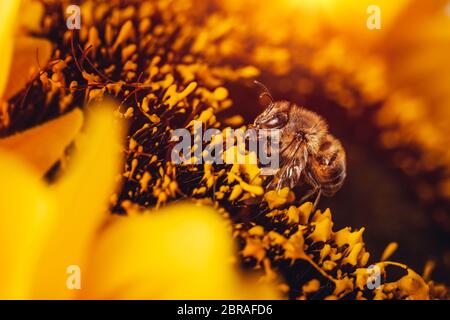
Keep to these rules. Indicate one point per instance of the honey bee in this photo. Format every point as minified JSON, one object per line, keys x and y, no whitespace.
{"x":308,"y":152}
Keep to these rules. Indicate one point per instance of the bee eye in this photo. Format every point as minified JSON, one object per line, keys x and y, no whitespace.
{"x":322,"y":160}
{"x":278,"y":120}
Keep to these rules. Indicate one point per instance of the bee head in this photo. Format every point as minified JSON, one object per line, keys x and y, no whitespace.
{"x":275,"y":114}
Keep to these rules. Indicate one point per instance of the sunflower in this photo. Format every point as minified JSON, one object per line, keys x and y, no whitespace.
{"x":102,"y":202}
{"x":65,"y":225}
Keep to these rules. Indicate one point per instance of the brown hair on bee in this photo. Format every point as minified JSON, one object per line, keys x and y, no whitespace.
{"x":308,"y":153}
{"x":328,"y":166}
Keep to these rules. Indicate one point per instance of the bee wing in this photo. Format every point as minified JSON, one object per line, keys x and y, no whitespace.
{"x":291,"y":169}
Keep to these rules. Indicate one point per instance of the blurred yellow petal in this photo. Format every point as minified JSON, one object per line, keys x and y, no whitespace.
{"x":30,"y":18}
{"x":418,"y":108}
{"x":26,"y":216}
{"x":348,"y":18}
{"x":30,"y":54}
{"x":183,"y":252}
{"x":389,"y":251}
{"x":8,"y":13}
{"x":21,"y":55}
{"x":82,"y":196}
{"x":43,"y":145}
{"x":419,"y":59}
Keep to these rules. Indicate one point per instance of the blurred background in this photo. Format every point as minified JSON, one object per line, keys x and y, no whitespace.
{"x":377,"y":71}
{"x":385,"y":93}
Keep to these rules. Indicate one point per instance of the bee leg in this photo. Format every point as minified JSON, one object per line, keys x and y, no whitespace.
{"x":214,"y":185}
{"x":316,"y":190}
{"x":308,"y":195}
{"x":316,"y":202}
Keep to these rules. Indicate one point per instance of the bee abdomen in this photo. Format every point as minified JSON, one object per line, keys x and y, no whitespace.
{"x":333,"y":183}
{"x":329,"y":166}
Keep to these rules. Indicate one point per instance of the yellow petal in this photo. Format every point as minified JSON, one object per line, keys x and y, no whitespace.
{"x":43,"y":145}
{"x":413,"y":286}
{"x":82,"y":196}
{"x":181,"y":252}
{"x":30,"y":54}
{"x":389,"y":251}
{"x":30,"y":18}
{"x":294,"y":247}
{"x":8,"y":13}
{"x":337,"y":15}
{"x":277,"y":198}
{"x":311,"y":286}
{"x":25,"y":218}
{"x":323,"y":227}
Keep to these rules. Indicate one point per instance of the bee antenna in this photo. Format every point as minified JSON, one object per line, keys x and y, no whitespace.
{"x":266,"y":91}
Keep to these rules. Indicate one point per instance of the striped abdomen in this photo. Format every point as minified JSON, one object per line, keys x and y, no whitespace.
{"x":328,"y":166}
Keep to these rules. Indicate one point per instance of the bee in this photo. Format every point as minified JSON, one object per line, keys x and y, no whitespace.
{"x":309,"y":154}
